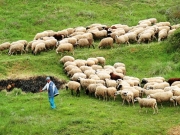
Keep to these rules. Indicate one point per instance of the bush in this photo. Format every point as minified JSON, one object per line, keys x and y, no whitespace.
{"x":173,"y":42}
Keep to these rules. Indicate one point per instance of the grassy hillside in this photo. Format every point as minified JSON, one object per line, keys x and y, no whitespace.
{"x":29,"y":114}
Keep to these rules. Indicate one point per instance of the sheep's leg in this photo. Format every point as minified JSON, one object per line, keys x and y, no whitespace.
{"x":71,"y":92}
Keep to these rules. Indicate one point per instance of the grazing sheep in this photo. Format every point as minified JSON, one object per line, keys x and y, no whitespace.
{"x":103,"y":75}
{"x":80,"y":62}
{"x":73,"y":71}
{"x":50,"y":43}
{"x":84,"y":42}
{"x":161,"y":96}
{"x":110,"y":83}
{"x":84,"y":68}
{"x":123,"y":39}
{"x":94,"y":76}
{"x":67,"y":58}
{"x":65,"y":47}
{"x":111,"y":93}
{"x":101,"y":91}
{"x":90,"y":90}
{"x":162,"y":34}
{"x":85,"y":82}
{"x":4,"y":46}
{"x":147,"y":102}
{"x":176,"y":91}
{"x":144,"y":37}
{"x":105,"y":42}
{"x":69,"y":68}
{"x":39,"y":47}
{"x":74,"y":86}
{"x":77,"y":75}
{"x":115,"y":76}
{"x":99,"y":34}
{"x":15,"y":48}
{"x":148,"y":92}
{"x":175,"y":100}
{"x":96,"y":67}
{"x":171,"y":80}
{"x":94,"y":59}
{"x":90,"y":62}
{"x":40,"y":35}
{"x":101,"y":60}
{"x":158,"y":85}
{"x":89,"y":72}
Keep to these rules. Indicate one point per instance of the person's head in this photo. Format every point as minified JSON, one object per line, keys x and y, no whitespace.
{"x":48,"y":79}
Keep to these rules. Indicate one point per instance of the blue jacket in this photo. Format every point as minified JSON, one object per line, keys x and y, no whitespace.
{"x":52,"y":89}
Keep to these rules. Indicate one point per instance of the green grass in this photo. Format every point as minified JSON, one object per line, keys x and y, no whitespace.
{"x":30,"y":113}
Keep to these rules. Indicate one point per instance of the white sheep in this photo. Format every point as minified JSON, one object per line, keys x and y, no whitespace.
{"x":73,"y":71}
{"x":67,"y":58}
{"x":105,"y":42}
{"x":40,"y":35}
{"x":161,"y":96}
{"x":162,"y":34}
{"x":126,"y":95}
{"x":65,"y":47}
{"x":89,"y":72}
{"x":84,"y":42}
{"x":39,"y":47}
{"x":77,"y":75}
{"x":4,"y":46}
{"x":15,"y":48}
{"x":90,"y":90}
{"x":123,"y":39}
{"x":96,"y":67}
{"x":50,"y":43}
{"x":147,"y":102}
{"x":158,"y":85}
{"x":85,"y":82}
{"x":144,"y":37}
{"x":176,"y":91}
{"x":99,"y":34}
{"x":148,"y":92}
{"x":110,"y":83}
{"x":74,"y":86}
{"x":101,"y":91}
{"x":111,"y":93}
{"x":101,"y":60}
{"x":175,"y":100}
{"x":80,"y":62}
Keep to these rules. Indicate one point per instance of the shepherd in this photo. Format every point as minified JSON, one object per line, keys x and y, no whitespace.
{"x":52,"y":91}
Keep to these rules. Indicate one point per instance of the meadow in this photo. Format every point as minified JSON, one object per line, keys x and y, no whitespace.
{"x":30,"y":113}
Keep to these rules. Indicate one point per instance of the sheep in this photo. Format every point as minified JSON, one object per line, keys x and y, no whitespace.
{"x":77,"y":75}
{"x":73,"y":71}
{"x":111,"y":93}
{"x":99,"y":34}
{"x":176,"y":91}
{"x":40,"y":35}
{"x":90,"y":62}
{"x":105,"y":42}
{"x":147,"y":102}
{"x":159,"y":85}
{"x":84,"y":68}
{"x":171,"y":80}
{"x":103,"y":75}
{"x":101,"y":91}
{"x":67,"y":63}
{"x":65,"y":47}
{"x":110,"y":83}
{"x":101,"y":60}
{"x":152,"y":79}
{"x":15,"y":48}
{"x":74,"y":86}
{"x":144,"y":37}
{"x":163,"y":24}
{"x":115,"y":76}
{"x":161,"y":96}
{"x":175,"y":100}
{"x":132,"y":36}
{"x":96,"y":67}
{"x":122,"y":83}
{"x":171,"y":32}
{"x":90,"y":90}
{"x":80,"y":62}
{"x":94,"y":59}
{"x":175,"y":83}
{"x":148,"y":92}
{"x":85,"y":82}
{"x":34,"y":43}
{"x":119,"y":64}
{"x":71,"y":40}
{"x":168,"y":88}
{"x":162,"y":34}
{"x":123,"y":39}
{"x":67,"y":58}
{"x":39,"y":47}
{"x":126,"y":95}
{"x":89,"y":72}
{"x":5,"y":46}
{"x":50,"y":43}
{"x":94,"y":76}
{"x":69,"y":68}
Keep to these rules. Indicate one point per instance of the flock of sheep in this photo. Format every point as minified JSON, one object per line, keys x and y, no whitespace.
{"x":102,"y":81}
{"x":66,"y":40}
